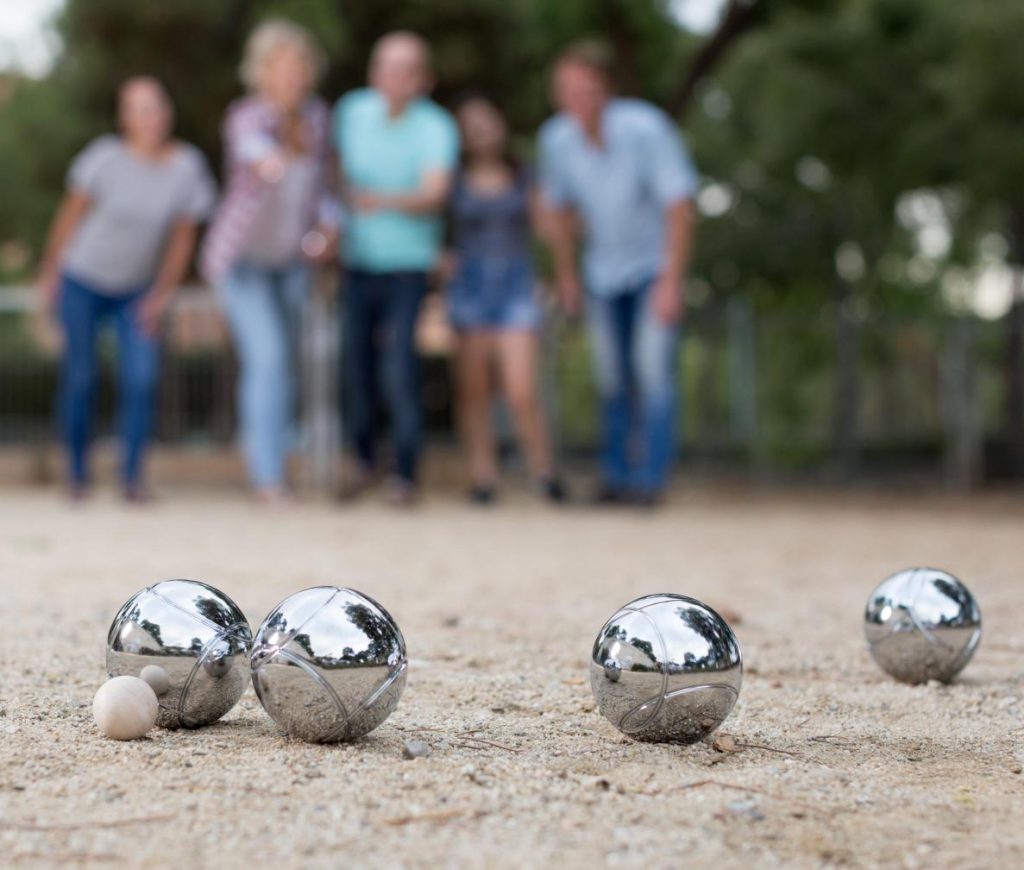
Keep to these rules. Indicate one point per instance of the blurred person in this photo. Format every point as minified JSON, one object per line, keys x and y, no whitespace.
{"x":397,"y":152}
{"x":492,"y":300}
{"x":619,"y":169}
{"x":276,"y":219}
{"x":120,"y":244}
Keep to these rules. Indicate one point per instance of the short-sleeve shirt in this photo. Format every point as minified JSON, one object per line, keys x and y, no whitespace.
{"x":276,"y":232}
{"x":492,"y":225}
{"x":253,"y":128}
{"x":118,"y":246}
{"x":621,"y":188}
{"x":385,"y":155}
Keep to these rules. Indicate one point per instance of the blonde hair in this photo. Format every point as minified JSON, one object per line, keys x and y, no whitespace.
{"x":267,"y":39}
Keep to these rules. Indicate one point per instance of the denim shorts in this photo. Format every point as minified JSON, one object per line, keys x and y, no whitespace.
{"x":494,"y":293}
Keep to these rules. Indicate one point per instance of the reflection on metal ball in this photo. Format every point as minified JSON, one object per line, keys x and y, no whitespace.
{"x":197,"y":636}
{"x":666,"y":668}
{"x":922,"y":624}
{"x":328,"y":664}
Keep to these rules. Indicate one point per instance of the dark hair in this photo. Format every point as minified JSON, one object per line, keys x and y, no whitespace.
{"x":593,"y":54}
{"x":161,"y":85}
{"x":472,"y":96}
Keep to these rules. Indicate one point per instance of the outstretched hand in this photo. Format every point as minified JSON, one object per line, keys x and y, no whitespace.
{"x":45,"y":329}
{"x":570,"y":294}
{"x":667,"y":300}
{"x":151,"y":310}
{"x":363,"y":200}
{"x":320,"y":245}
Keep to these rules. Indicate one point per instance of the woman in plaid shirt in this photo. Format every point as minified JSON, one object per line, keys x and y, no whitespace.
{"x":277,"y":217}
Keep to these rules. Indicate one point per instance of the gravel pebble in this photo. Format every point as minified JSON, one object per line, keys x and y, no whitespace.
{"x":416,"y":749}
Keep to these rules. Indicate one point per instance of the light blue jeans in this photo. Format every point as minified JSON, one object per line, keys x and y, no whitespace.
{"x":635,"y":361}
{"x":264,"y":307}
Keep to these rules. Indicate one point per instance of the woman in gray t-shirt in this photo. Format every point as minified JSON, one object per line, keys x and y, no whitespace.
{"x":120,"y":244}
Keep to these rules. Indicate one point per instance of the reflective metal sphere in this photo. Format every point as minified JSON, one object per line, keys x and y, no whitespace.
{"x":329,"y":664}
{"x":666,"y":668}
{"x":922,"y":624}
{"x":197,"y":635}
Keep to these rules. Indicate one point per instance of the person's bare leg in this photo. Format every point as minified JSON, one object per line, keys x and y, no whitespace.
{"x":518,"y":356}
{"x":475,"y":353}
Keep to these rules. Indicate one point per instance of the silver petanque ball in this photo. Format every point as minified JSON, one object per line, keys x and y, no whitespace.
{"x":328,"y":664}
{"x":197,"y":636}
{"x":666,"y":668}
{"x":922,"y":624}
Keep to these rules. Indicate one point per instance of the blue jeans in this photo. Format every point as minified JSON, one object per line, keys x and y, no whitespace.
{"x":264,"y":307}
{"x":83,"y":311}
{"x":634,"y":357}
{"x":379,"y":344}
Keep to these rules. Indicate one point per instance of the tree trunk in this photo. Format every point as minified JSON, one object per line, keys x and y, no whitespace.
{"x":623,"y":44}
{"x":737,"y":18}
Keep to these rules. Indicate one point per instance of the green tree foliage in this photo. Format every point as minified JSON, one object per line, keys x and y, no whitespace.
{"x":820,"y":126}
{"x":822,"y":116}
{"x":499,"y":46}
{"x":825,"y":119}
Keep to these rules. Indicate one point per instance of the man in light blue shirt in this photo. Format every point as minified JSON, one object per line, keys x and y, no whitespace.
{"x":397,"y":151}
{"x":618,"y":169}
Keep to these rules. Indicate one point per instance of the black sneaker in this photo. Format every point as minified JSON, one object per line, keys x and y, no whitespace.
{"x":552,"y":489}
{"x":482,"y":495}
{"x":646,"y":499}
{"x":607,"y":495}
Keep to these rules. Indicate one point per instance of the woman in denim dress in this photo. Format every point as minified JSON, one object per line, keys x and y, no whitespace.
{"x":493,"y":303}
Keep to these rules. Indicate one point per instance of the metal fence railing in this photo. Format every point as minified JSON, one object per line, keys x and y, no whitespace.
{"x":761,"y":390}
{"x":196,"y":385}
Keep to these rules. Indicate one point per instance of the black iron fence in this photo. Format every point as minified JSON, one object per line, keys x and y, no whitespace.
{"x":762,"y":391}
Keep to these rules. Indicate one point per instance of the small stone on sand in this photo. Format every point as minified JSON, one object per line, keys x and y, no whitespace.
{"x":416,"y":749}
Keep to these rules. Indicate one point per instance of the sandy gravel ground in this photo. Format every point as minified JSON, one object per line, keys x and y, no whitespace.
{"x":842,"y":767}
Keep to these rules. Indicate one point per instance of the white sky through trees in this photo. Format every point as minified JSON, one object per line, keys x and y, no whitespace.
{"x":28,"y":44}
{"x":700,"y":16}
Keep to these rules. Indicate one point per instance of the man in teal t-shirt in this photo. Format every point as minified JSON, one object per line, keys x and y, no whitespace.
{"x":397,"y":152}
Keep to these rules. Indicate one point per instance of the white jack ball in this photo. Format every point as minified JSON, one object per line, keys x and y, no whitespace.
{"x":125,"y":708}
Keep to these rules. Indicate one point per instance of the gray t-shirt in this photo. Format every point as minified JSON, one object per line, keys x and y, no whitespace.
{"x":119,"y":243}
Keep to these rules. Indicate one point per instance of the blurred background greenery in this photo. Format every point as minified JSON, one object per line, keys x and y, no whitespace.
{"x":856,"y":287}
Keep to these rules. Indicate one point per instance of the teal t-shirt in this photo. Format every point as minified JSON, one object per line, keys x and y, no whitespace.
{"x":390,"y":155}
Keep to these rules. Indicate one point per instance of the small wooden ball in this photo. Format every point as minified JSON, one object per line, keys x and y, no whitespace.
{"x":157,"y":678}
{"x":125,"y":708}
